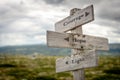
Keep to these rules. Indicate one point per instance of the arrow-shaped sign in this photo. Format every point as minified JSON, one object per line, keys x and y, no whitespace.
{"x":67,"y":40}
{"x":79,"y":18}
{"x":86,"y":59}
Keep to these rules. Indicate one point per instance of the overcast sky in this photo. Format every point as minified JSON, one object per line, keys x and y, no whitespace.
{"x":26,"y":21}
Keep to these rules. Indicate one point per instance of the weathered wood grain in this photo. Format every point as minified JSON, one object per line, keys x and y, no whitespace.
{"x":79,"y":18}
{"x":79,"y":74}
{"x":76,"y":41}
{"x":85,"y":59}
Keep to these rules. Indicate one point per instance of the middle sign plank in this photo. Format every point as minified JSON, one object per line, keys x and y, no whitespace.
{"x":78,"y":41}
{"x":79,"y":18}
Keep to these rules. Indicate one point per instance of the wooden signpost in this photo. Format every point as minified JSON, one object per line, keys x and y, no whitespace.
{"x":83,"y":46}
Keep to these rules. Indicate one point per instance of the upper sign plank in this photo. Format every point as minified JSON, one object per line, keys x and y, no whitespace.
{"x":79,"y":18}
{"x":67,"y":40}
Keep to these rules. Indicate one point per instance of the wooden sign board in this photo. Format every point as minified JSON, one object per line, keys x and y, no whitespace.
{"x":79,"y":18}
{"x":67,"y":40}
{"x":86,"y":59}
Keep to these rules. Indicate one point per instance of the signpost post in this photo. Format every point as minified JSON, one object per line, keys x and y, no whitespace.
{"x":79,"y":73}
{"x":83,"y":46}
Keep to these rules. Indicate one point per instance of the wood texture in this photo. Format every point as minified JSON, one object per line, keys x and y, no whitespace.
{"x":79,"y":74}
{"x":79,"y":18}
{"x":85,"y":59}
{"x":76,"y":41}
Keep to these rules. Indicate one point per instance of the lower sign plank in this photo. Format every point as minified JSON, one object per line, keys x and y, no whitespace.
{"x":67,"y":40}
{"x":85,"y":60}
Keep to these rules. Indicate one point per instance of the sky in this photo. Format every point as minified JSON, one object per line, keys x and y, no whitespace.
{"x":24,"y":22}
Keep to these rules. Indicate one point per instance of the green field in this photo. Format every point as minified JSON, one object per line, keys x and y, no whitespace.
{"x":21,"y":67}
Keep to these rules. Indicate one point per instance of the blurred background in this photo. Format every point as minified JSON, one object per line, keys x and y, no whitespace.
{"x":24,"y":54}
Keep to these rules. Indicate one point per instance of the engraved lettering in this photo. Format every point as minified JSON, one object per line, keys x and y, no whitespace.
{"x":75,"y":61}
{"x":79,"y":40}
{"x":73,"y":20}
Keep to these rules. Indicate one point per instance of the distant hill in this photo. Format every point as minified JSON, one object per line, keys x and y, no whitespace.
{"x":30,"y":49}
{"x":114,"y":49}
{"x":43,"y":49}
